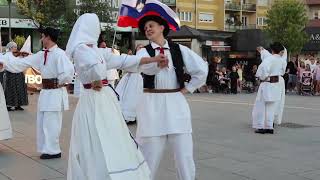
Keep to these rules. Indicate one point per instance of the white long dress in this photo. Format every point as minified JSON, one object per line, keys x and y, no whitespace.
{"x":130,"y":90}
{"x":101,"y":146}
{"x":5,"y":125}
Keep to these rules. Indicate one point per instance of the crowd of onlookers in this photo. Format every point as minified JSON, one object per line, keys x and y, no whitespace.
{"x":239,"y":78}
{"x":303,"y":75}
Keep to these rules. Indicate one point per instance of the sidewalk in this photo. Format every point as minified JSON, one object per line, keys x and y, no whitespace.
{"x":225,"y":146}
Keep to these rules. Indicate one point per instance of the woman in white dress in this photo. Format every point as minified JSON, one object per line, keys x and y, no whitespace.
{"x":5,"y":125}
{"x":130,"y":90}
{"x":101,"y":147}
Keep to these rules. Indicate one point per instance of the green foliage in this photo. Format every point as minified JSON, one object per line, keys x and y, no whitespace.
{"x":61,"y":15}
{"x":19,"y":40}
{"x":44,"y":12}
{"x":103,"y":10}
{"x":286,"y":21}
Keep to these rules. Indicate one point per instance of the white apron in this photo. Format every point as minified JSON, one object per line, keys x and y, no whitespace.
{"x":130,"y":90}
{"x":101,"y":146}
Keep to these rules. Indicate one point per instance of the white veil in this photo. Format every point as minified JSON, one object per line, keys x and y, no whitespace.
{"x":86,"y":30}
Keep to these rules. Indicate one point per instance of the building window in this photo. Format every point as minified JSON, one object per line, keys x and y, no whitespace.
{"x":78,"y":2}
{"x":244,"y":20}
{"x":114,"y":15}
{"x":77,"y":11}
{"x":206,"y":17}
{"x":185,"y":16}
{"x":115,"y":3}
{"x":263,"y":2}
{"x":261,"y":21}
{"x":316,"y":15}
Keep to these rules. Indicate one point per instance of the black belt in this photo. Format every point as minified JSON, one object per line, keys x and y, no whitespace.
{"x":161,"y":90}
{"x":51,"y":84}
{"x":272,"y":79}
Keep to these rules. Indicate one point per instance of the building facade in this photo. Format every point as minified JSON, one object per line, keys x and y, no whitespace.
{"x":20,"y":25}
{"x":223,"y":15}
{"x":313,"y":28}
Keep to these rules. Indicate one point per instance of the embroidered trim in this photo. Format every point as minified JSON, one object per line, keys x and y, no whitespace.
{"x":126,"y":170}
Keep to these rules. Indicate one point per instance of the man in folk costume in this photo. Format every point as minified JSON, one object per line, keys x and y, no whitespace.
{"x":164,"y":115}
{"x":280,"y":104}
{"x":268,"y":107}
{"x":56,"y":70}
{"x":101,"y":147}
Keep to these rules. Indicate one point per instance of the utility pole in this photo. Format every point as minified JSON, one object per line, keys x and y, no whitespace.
{"x":9,"y":3}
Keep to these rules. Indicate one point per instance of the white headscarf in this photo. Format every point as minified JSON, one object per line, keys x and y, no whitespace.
{"x":86,"y":30}
{"x":11,"y":45}
{"x":27,"y":46}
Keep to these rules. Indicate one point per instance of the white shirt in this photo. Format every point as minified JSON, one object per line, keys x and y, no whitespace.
{"x":169,"y":113}
{"x":57,"y":66}
{"x":272,"y":65}
{"x":92,"y":63}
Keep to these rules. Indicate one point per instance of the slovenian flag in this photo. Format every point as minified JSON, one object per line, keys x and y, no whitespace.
{"x":131,"y":11}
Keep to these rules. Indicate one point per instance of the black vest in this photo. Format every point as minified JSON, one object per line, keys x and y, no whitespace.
{"x":148,"y":81}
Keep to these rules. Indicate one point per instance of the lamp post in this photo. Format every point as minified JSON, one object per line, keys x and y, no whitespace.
{"x":9,"y":3}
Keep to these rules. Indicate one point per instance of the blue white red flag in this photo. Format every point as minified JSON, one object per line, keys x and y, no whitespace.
{"x":131,"y":11}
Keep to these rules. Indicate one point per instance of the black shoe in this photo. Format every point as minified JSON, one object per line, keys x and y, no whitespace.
{"x":260,"y":131}
{"x":19,"y":108}
{"x":49,"y":156}
{"x":10,"y":109}
{"x":269,"y":131}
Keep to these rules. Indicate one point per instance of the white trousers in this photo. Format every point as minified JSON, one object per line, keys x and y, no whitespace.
{"x":264,"y":114}
{"x":181,"y":144}
{"x":48,"y":132}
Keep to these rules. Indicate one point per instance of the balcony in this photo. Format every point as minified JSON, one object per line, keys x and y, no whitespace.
{"x":249,"y":7}
{"x":233,"y":28}
{"x":312,"y":2}
{"x":170,"y":3}
{"x":233,"y":6}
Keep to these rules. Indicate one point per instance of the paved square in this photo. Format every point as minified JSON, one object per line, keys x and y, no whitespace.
{"x":225,"y":146}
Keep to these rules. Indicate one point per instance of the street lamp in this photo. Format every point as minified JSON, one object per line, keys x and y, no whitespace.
{"x":9,"y":3}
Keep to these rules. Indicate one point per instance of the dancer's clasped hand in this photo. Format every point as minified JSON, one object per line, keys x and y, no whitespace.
{"x":97,"y":85}
{"x":162,"y":61}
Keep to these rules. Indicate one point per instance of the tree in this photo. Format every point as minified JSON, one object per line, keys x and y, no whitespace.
{"x":286,"y":21}
{"x":103,"y":9}
{"x":43,"y":12}
{"x":19,"y":40}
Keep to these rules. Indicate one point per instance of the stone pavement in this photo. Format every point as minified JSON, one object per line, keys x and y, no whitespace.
{"x":225,"y":146}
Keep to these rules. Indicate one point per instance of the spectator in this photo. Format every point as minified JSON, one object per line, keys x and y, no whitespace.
{"x":312,"y":64}
{"x":317,"y":79}
{"x":292,"y":72}
{"x":240,"y":74}
{"x":234,"y":79}
{"x":15,"y":88}
{"x":211,"y":78}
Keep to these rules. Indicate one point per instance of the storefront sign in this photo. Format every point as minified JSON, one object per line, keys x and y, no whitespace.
{"x":18,"y":23}
{"x":314,"y":39}
{"x":33,"y":79}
